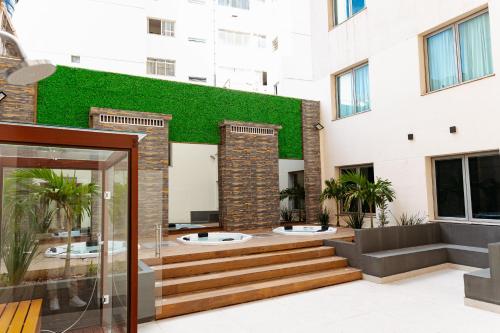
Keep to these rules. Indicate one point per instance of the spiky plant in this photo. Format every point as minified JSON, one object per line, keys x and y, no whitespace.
{"x":355,"y":220}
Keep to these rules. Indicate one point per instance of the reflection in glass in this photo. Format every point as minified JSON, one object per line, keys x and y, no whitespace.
{"x":64,"y":234}
{"x":484,"y":173}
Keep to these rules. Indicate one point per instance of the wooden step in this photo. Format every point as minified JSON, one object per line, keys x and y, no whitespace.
{"x":229,"y":278}
{"x":231,"y":263}
{"x":214,"y":253}
{"x":194,"y":302}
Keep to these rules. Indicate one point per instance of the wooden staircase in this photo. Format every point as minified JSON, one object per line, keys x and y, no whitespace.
{"x":192,"y":283}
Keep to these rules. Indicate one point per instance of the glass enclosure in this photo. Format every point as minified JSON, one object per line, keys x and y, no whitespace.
{"x":64,"y":235}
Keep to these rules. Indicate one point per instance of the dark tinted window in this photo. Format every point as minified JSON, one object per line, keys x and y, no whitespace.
{"x":484,"y":173}
{"x":450,"y":188}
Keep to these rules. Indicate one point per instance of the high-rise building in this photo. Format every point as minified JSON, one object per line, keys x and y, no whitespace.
{"x":224,"y":43}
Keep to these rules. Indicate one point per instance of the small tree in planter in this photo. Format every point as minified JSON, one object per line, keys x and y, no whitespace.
{"x":372,"y":194}
{"x":336,"y":190}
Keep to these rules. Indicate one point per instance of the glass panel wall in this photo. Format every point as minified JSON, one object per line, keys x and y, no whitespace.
{"x":64,"y":235}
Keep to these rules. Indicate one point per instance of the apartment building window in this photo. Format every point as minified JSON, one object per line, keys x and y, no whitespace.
{"x":161,"y":27}
{"x":467,"y":187}
{"x":366,"y":170}
{"x":344,"y":9}
{"x":460,"y":52}
{"x":234,"y":38}
{"x":241,"y":4}
{"x":197,"y":40}
{"x":160,"y":67}
{"x":261,"y":41}
{"x":353,"y":91}
{"x":199,"y":79}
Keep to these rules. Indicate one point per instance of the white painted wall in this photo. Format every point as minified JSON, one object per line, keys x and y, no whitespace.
{"x":112,"y":35}
{"x":193,"y":179}
{"x":192,"y":182}
{"x":387,"y":35}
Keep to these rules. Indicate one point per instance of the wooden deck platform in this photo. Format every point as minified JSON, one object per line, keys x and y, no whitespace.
{"x":262,"y":239}
{"x":192,"y":278}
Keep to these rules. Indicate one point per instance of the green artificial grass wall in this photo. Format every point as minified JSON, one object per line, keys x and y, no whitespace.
{"x":65,"y":99}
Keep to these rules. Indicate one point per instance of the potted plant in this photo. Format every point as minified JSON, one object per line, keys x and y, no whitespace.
{"x":297,"y":195}
{"x":336,"y":190}
{"x":358,"y":187}
{"x":26,"y":215}
{"x":355,"y":220}
{"x":286,"y":215}
{"x":324,"y":218}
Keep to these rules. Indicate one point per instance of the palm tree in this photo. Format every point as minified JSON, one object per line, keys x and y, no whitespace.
{"x":372,"y":194}
{"x":72,"y":198}
{"x":336,"y":190}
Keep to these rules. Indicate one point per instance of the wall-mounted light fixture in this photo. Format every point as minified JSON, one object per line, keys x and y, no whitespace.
{"x":2,"y":95}
{"x":318,"y":126}
{"x":410,"y":137}
{"x":453,"y":129}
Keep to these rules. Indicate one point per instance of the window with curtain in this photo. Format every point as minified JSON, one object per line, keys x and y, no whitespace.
{"x":344,"y":9}
{"x":241,"y":4}
{"x":460,"y":52}
{"x":353,"y":91}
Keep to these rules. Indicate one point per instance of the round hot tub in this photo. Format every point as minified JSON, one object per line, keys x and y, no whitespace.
{"x":214,"y":238}
{"x":81,"y":250}
{"x":304,"y":230}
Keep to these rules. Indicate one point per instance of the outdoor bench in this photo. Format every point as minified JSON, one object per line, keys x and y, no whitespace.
{"x":21,"y":317}
{"x":382,"y":252}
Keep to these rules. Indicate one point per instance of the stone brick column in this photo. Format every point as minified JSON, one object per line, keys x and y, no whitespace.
{"x":20,"y":103}
{"x":312,"y":160}
{"x":153,"y":160}
{"x":248,"y":175}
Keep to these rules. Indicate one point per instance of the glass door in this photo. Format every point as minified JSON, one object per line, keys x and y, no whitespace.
{"x":64,"y":236}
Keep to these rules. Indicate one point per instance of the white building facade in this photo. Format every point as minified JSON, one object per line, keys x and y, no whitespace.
{"x":223,"y":43}
{"x":409,"y":92}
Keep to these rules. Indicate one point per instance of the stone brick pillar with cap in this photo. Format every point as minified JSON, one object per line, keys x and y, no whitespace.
{"x":153,"y":160}
{"x":312,"y":159}
{"x":248,"y":175}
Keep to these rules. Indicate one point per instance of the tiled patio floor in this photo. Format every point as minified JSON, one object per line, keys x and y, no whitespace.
{"x":429,"y":303}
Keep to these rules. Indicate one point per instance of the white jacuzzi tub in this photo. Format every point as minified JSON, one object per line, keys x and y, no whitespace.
{"x":80,"y":250}
{"x":304,"y":230}
{"x":214,"y":238}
